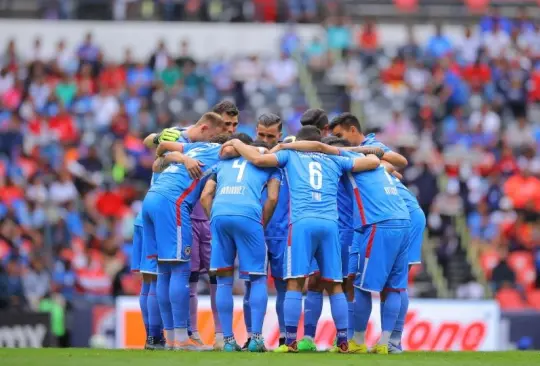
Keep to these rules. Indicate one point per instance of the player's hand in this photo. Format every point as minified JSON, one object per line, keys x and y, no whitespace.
{"x":193,"y":167}
{"x":276,"y":148}
{"x":169,"y":134}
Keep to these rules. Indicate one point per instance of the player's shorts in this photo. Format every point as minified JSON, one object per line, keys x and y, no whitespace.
{"x":276,"y":254}
{"x":313,"y":239}
{"x":345,"y":241}
{"x":136,"y":249}
{"x":166,"y":228}
{"x":380,"y":254}
{"x":416,"y":236}
{"x":242,"y":235}
{"x":200,"y":251}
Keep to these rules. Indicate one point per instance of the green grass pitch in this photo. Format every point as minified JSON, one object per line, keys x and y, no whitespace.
{"x":90,"y":357}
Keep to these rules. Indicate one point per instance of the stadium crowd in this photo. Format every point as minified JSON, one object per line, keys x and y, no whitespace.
{"x":73,"y":167}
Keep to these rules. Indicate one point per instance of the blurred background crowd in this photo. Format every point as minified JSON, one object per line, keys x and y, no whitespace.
{"x":464,"y":110}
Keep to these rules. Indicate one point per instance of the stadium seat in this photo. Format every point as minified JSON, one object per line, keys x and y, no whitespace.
{"x":533,"y":298}
{"x":406,"y":5}
{"x":488,"y":260}
{"x":522,"y":263}
{"x":477,"y":6}
{"x":510,"y":299}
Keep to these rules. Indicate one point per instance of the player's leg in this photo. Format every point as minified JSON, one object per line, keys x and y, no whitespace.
{"x":218,"y":332}
{"x":345,"y":240}
{"x":136,"y":259}
{"x":193,"y":284}
{"x":281,"y":290}
{"x":222,"y":264}
{"x":143,"y":303}
{"x":313,"y":304}
{"x":276,"y":253}
{"x":247,"y":311}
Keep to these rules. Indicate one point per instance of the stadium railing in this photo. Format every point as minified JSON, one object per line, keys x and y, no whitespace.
{"x":433,"y":268}
{"x":306,"y":81}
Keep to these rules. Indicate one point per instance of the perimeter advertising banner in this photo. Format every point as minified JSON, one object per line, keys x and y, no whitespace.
{"x":431,"y":325}
{"x":25,"y":330}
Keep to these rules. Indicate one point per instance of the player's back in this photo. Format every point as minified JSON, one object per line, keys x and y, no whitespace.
{"x":239,"y":188}
{"x":376,"y":196}
{"x":174,"y":182}
{"x":313,"y":180}
{"x":345,"y":204}
{"x":278,"y":225}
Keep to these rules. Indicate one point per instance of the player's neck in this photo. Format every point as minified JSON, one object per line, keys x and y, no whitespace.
{"x":360,"y":140}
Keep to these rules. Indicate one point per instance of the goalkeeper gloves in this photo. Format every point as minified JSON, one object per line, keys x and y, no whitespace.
{"x":168,"y":134}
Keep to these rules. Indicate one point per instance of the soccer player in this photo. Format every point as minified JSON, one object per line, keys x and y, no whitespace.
{"x":233,"y":195}
{"x":313,"y":179}
{"x":171,"y":199}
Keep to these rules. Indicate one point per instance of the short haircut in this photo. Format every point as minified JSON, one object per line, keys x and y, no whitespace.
{"x":335,"y":141}
{"x":226,"y":107}
{"x":212,"y":118}
{"x":309,"y":133}
{"x":346,"y":120}
{"x":221,"y":138}
{"x":244,"y":137}
{"x":259,"y":143}
{"x":269,"y":120}
{"x":315,"y":117}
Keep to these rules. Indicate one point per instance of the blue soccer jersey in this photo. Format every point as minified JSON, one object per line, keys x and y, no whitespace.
{"x":239,"y":188}
{"x":345,"y":205}
{"x":376,"y":196}
{"x":278,"y":225}
{"x":313,"y":180}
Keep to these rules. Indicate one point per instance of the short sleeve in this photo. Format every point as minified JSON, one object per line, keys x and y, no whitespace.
{"x":276,"y":174}
{"x":346,"y":164}
{"x":282,"y":157}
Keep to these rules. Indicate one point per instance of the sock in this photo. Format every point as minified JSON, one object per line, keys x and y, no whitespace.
{"x":281,"y":289}
{"x":180,"y":335}
{"x":340,"y":314}
{"x":154,"y":317}
{"x":293,"y":304}
{"x":225,"y":304}
{"x":164,"y":302}
{"x":179,"y":294}
{"x":350,"y":320}
{"x":213,"y":290}
{"x":193,"y":307}
{"x":362,"y":311}
{"x":391,"y":309}
{"x":312,"y":312}
{"x":395,"y":337}
{"x":143,"y":302}
{"x":258,"y":301}
{"x":247,"y":308}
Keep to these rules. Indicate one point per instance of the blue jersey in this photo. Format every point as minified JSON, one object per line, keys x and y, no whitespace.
{"x":345,"y":204}
{"x":278,"y":226}
{"x":406,"y":195}
{"x":175,"y":183}
{"x":138,"y":219}
{"x":239,"y":188}
{"x":376,"y":196}
{"x":313,"y":180}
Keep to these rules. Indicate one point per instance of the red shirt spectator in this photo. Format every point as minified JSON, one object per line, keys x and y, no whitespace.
{"x":113,"y":77}
{"x":534,"y":92}
{"x":477,"y":75}
{"x":64,"y":126}
{"x":524,"y":190}
{"x":368,"y":38}
{"x":110,"y":204}
{"x":10,"y":192}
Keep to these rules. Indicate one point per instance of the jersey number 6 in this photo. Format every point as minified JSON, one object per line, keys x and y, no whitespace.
{"x":315,"y":175}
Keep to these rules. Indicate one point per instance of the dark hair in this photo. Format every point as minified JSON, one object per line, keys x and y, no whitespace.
{"x":270,"y":119}
{"x":335,"y":141}
{"x":221,"y":138}
{"x":213,"y":118}
{"x":259,"y":143}
{"x":308,"y":133}
{"x":346,"y":120}
{"x":226,"y":107}
{"x":245,"y":138}
{"x":314,"y":117}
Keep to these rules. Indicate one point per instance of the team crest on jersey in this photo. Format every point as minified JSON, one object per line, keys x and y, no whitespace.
{"x":187,"y":251}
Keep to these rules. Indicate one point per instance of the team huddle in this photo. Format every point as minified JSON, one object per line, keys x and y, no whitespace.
{"x":327,"y":205}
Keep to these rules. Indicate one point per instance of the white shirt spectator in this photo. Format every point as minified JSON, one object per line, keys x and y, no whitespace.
{"x":37,"y":193}
{"x":496,"y":43}
{"x":105,"y":106}
{"x":416,"y":78}
{"x":283,"y":72}
{"x":487,"y":119}
{"x":519,"y":134}
{"x":62,"y":192}
{"x":468,"y":48}
{"x":40,"y":93}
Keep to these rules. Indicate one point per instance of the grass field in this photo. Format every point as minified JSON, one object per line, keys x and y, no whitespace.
{"x":89,"y":357}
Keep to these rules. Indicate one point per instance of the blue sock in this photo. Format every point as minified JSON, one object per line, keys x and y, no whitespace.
{"x":154,"y":317}
{"x":293,"y":304}
{"x":247,"y":307}
{"x":400,"y":323}
{"x":143,"y":302}
{"x":391,"y":309}
{"x":350,"y":320}
{"x":340,"y":314}
{"x":259,"y":302}
{"x":165,"y":309}
{"x":312,"y":312}
{"x":362,"y":309}
{"x":179,"y":293}
{"x":225,"y":304}
{"x":281,"y":289}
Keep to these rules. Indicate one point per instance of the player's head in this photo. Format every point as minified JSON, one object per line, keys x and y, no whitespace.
{"x":221,"y":138}
{"x":347,"y":126}
{"x":269,"y":128}
{"x":309,"y":133}
{"x":208,"y":126}
{"x":335,"y":141}
{"x":244,"y":137}
{"x":229,"y":112}
{"x":262,"y":145}
{"x":316,"y":117}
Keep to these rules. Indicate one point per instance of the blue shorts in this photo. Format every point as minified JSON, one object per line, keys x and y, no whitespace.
{"x":313,"y":239}
{"x":416,"y":236}
{"x":167,"y":232}
{"x":276,"y":254}
{"x":232,"y":234}
{"x":345,"y":241}
{"x":136,"y":249}
{"x":380,"y":253}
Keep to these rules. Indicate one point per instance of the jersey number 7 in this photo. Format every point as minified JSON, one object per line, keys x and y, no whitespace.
{"x":241,"y":166}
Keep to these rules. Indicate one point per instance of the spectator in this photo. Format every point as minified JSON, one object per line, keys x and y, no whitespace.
{"x":4,"y":288}
{"x":398,"y":128}
{"x":482,"y":227}
{"x":36,"y":282}
{"x":496,"y":41}
{"x":316,"y":54}
{"x":88,"y":52}
{"x":105,"y":106}
{"x":469,"y":47}
{"x":302,"y":10}
{"x":411,"y":50}
{"x":283,"y":72}
{"x":62,"y":190}
{"x":489,"y":22}
{"x":368,"y":42}
{"x":15,"y":284}
{"x":160,"y":59}
{"x":171,"y":74}
{"x":486,"y":120}
{"x":338,"y":34}
{"x":502,"y":275}
{"x":519,"y":133}
{"x":290,"y":41}
{"x":439,"y":45}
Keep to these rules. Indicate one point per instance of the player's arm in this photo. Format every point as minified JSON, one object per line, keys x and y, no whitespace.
{"x":253,"y":155}
{"x":193,"y":166}
{"x":367,"y":150}
{"x":397,"y":175}
{"x":388,"y":167}
{"x":272,"y":189}
{"x":167,"y":146}
{"x":168,"y":134}
{"x":397,"y":160}
{"x":365,"y":163}
{"x":308,"y":146}
{"x":207,"y":195}
{"x":158,"y":166}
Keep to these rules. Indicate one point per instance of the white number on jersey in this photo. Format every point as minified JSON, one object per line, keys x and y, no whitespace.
{"x":315,"y":175}
{"x":388,"y":176}
{"x":241,"y":166}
